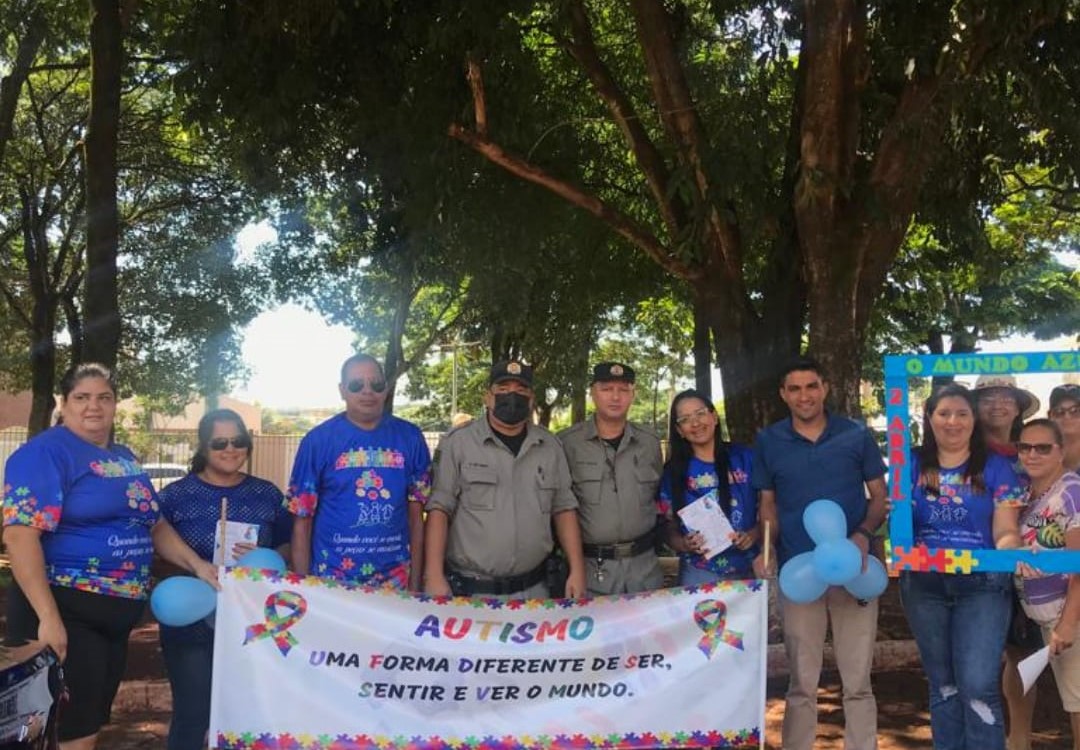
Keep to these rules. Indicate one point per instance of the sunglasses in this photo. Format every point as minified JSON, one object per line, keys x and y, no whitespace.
{"x":1043,"y":449}
{"x":357,"y":385}
{"x":220,"y":444}
{"x":1065,"y":411}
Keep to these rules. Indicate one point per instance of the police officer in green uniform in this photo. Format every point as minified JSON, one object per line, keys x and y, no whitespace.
{"x":500,"y":484}
{"x":616,"y":467}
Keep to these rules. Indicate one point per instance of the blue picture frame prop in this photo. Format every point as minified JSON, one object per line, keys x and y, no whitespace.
{"x":905,"y":554}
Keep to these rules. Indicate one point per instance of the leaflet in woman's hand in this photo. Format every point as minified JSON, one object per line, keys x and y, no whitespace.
{"x":705,"y":516}
{"x":235,"y":533}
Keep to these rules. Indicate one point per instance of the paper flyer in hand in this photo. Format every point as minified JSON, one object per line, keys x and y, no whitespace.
{"x":705,"y":516}
{"x":1033,"y":666}
{"x":235,"y":533}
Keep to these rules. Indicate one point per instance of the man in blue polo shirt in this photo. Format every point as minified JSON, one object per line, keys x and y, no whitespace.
{"x":809,"y":455}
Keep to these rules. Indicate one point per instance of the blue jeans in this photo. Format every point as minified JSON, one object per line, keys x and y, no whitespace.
{"x":690,"y":575}
{"x":189,"y":665}
{"x":960,"y":623}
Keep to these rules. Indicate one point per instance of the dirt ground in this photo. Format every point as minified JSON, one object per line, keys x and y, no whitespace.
{"x":902,"y":700}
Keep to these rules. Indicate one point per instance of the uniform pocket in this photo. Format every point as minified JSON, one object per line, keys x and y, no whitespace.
{"x":649,"y":479}
{"x":478,"y":487}
{"x":545,"y":491}
{"x":588,"y":476}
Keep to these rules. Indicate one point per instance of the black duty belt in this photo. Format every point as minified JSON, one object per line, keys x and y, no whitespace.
{"x":465,"y":585}
{"x":621,"y":550}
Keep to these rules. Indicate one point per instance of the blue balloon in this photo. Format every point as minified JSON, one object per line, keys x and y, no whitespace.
{"x":871,"y":583}
{"x":263,"y":558}
{"x":838,"y":562}
{"x":182,"y":600}
{"x":825,"y":521}
{"x":799,"y":581}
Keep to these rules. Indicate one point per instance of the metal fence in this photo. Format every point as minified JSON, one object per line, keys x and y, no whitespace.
{"x":272,"y":456}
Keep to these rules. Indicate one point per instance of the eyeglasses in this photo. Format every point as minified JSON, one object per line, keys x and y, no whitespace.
{"x":1043,"y":449}
{"x":697,"y":416}
{"x":998,"y":399}
{"x":357,"y":385}
{"x":240,"y":443}
{"x":1066,"y":411}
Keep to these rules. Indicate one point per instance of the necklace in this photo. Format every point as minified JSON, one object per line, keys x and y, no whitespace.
{"x":1038,"y":494}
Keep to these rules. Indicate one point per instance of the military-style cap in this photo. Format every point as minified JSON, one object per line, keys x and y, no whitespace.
{"x":511,"y":369}
{"x":605,"y":371}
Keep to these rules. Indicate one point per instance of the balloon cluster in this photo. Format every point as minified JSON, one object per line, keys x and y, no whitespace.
{"x":183,"y":600}
{"x":835,"y":561}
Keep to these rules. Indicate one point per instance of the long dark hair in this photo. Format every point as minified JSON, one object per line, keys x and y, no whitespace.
{"x":929,"y":465}
{"x":680,"y":452}
{"x":206,"y":430}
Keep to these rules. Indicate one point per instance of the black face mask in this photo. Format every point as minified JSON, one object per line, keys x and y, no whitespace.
{"x":511,"y":408}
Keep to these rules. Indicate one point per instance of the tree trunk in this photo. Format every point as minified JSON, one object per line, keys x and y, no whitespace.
{"x":543,"y":413}
{"x":750,"y":352}
{"x":102,"y":314}
{"x":395,"y":351}
{"x":42,"y":366}
{"x":11,"y":84}
{"x":702,"y":351}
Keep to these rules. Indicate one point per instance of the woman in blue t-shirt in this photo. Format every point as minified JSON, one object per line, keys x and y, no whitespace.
{"x":959,"y":621}
{"x":255,"y":513}
{"x":701,"y":466}
{"x":81,"y":524}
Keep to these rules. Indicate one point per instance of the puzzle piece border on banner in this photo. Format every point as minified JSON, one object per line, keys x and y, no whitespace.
{"x":961,"y":561}
{"x":910,"y":559}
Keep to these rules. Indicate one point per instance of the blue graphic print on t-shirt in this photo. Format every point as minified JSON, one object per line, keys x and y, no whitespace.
{"x":95,"y":507}
{"x":957,"y":517}
{"x":357,"y":484}
{"x":700,"y":480}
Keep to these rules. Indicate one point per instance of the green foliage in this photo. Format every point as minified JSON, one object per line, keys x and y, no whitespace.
{"x":985,"y":276}
{"x":655,"y":339}
{"x":183,"y":296}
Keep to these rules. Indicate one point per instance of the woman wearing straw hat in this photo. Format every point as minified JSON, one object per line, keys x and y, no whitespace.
{"x":1003,"y":406}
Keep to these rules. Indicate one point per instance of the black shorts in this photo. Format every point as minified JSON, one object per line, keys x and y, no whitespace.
{"x":98,"y":627}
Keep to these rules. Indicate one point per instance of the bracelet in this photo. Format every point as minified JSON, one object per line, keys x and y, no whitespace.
{"x":865,"y":532}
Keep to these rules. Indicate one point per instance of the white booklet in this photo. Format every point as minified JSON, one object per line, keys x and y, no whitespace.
{"x":236,"y":532}
{"x":705,"y":515}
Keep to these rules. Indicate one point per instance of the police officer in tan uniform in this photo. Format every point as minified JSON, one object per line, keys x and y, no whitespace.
{"x":500,"y":484}
{"x":616,"y":467}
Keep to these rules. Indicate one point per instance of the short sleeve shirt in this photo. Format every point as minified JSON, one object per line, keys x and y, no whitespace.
{"x":193,"y":507}
{"x":836,"y":467}
{"x":500,"y":505}
{"x":1043,"y":525}
{"x":357,"y":484}
{"x":615,"y":486}
{"x":700,"y":480}
{"x":95,"y":507}
{"x":957,"y":517}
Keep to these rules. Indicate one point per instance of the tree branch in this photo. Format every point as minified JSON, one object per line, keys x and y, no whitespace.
{"x":13,"y":303}
{"x":476,"y":85}
{"x":583,"y":49}
{"x":623,"y":225}
{"x":679,"y":115}
{"x":11,"y":84}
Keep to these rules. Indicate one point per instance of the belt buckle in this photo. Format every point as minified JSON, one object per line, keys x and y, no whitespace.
{"x":623,"y":549}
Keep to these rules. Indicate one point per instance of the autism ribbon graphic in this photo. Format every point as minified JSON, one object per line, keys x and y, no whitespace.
{"x":277,"y":626}
{"x":710,"y":615}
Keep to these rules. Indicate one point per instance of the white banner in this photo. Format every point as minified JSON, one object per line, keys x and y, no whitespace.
{"x":306,"y":663}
